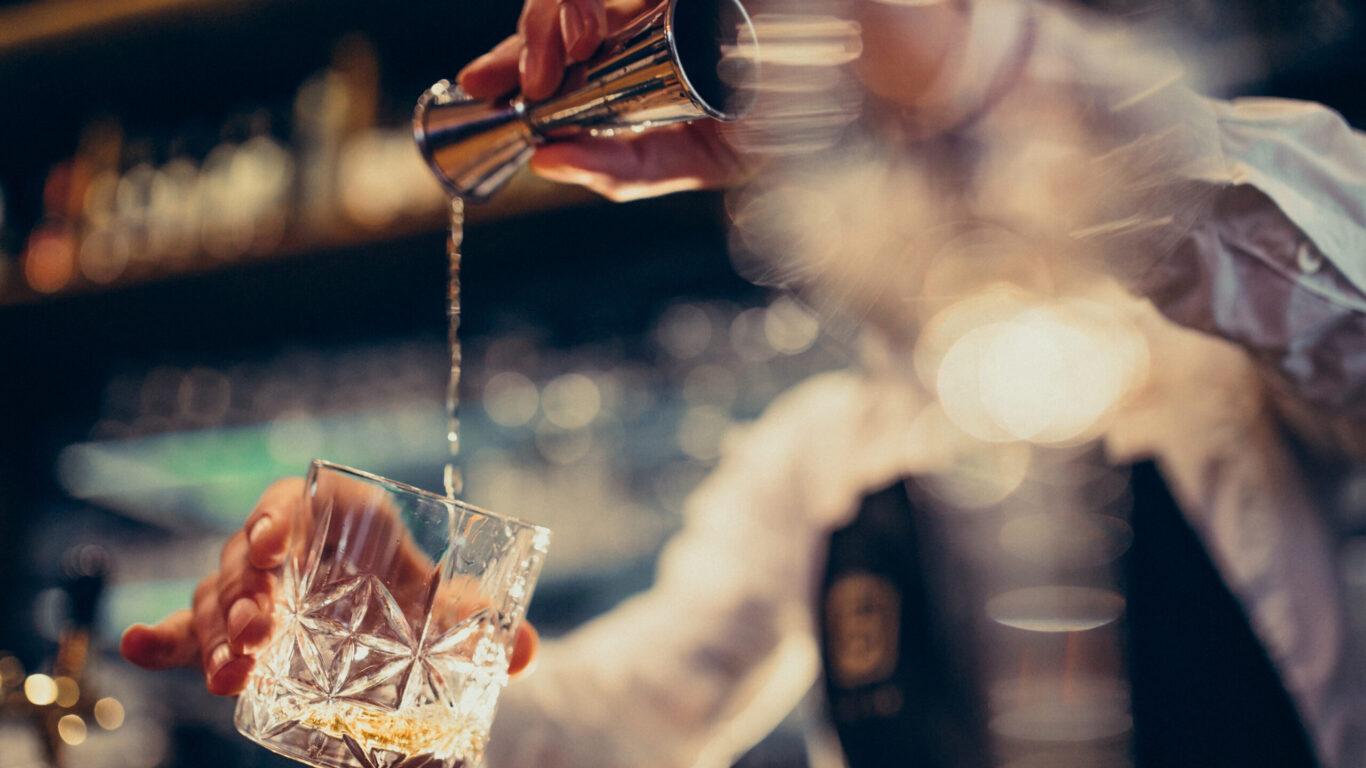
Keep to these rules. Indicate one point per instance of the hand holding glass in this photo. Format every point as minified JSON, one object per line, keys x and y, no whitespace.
{"x":396,"y":612}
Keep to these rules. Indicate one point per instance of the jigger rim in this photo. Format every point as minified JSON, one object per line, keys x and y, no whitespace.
{"x":693,"y":93}
{"x":444,"y":92}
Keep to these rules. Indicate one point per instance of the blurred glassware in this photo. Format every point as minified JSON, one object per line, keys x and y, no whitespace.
{"x":105,"y":253}
{"x":132,"y":203}
{"x":49,"y":260}
{"x":174,"y":215}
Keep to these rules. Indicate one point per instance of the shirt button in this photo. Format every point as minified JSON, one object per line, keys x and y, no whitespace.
{"x":1308,"y":258}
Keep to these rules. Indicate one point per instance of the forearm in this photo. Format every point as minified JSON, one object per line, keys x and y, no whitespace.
{"x":655,"y":683}
{"x":708,"y":660}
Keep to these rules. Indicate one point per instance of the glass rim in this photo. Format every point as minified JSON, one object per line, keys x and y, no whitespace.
{"x":395,"y":485}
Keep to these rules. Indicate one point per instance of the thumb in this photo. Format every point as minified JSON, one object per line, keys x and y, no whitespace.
{"x":170,"y":643}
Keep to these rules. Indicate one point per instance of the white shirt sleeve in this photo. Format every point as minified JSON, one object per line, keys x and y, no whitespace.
{"x":701,"y":666}
{"x":1245,"y":219}
{"x":1278,"y":263}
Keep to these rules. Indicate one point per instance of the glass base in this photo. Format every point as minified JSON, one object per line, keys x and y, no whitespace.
{"x":324,"y":751}
{"x":347,"y":735}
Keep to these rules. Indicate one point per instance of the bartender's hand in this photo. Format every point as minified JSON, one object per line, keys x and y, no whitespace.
{"x":554,"y":33}
{"x":231,"y":617}
{"x":905,"y":47}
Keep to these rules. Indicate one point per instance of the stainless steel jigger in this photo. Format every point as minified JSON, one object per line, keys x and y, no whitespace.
{"x":679,"y":61}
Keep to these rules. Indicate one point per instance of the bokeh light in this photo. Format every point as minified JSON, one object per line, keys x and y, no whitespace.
{"x":684,"y":331}
{"x":966,"y":472}
{"x":97,"y":205}
{"x":204,"y":395}
{"x":1050,"y":378}
{"x":959,"y":384}
{"x":68,"y":692}
{"x":571,"y":400}
{"x":789,"y":327}
{"x":1047,"y":372}
{"x":505,"y":486}
{"x":174,"y":216}
{"x":50,"y":261}
{"x":510,"y":399}
{"x":562,"y":446}
{"x":996,"y":303}
{"x":710,"y":384}
{"x":1034,"y":710}
{"x":1056,"y":608}
{"x":72,"y":729}
{"x":1066,"y":538}
{"x":11,"y":671}
{"x":700,"y":432}
{"x":40,"y":689}
{"x":105,"y":254}
{"x":109,"y":713}
{"x":748,"y":336}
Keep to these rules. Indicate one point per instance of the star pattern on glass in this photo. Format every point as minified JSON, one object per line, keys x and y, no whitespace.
{"x":345,"y":648}
{"x":351,"y":636}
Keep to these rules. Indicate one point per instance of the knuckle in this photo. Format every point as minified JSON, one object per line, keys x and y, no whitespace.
{"x":229,"y":590}
{"x":243,"y":583}
{"x":232,"y":546}
{"x":264,"y":585}
{"x":283,"y":485}
{"x":207,"y":587}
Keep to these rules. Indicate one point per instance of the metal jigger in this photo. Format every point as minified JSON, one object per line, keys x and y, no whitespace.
{"x":679,"y":61}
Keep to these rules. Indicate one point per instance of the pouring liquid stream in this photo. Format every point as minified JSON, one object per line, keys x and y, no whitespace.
{"x":454,"y":481}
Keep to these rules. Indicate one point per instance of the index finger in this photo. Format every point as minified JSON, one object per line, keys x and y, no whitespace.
{"x":169,"y":643}
{"x":269,"y":525}
{"x":582,"y":26}
{"x":543,"y":57}
{"x":494,"y":73}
